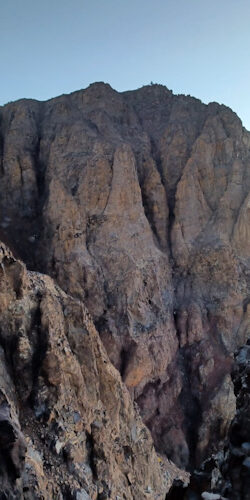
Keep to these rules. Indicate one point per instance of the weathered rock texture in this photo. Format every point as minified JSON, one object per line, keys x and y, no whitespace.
{"x":137,"y":204}
{"x":84,"y":438}
{"x":226,"y":474}
{"x":233,"y":476}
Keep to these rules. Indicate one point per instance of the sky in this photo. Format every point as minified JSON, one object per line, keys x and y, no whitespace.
{"x":196,"y":47}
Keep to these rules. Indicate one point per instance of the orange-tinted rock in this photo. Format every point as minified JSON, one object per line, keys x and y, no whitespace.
{"x":79,"y":425}
{"x":137,"y":204}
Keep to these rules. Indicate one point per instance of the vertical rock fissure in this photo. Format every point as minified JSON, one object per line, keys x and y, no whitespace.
{"x":40,"y":348}
{"x":90,"y":444}
{"x":191,"y":407}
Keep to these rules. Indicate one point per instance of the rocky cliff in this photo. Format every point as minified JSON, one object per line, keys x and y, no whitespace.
{"x":68,"y":428}
{"x":137,"y":205}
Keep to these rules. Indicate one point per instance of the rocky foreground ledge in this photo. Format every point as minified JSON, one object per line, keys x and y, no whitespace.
{"x":68,"y":427}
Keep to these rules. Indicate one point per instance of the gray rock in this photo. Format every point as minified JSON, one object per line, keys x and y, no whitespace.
{"x":210,"y":496}
{"x":82,"y":495}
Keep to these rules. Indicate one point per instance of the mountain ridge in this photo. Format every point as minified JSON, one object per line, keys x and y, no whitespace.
{"x":136,"y":203}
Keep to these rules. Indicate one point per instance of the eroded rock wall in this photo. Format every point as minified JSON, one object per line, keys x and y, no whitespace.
{"x":226,"y":473}
{"x":68,"y":427}
{"x":137,"y":204}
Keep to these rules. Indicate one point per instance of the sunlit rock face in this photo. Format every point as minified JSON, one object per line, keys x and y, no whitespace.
{"x":137,"y":204}
{"x":68,"y":427}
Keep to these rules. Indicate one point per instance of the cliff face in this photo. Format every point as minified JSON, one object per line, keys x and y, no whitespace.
{"x":137,"y":204}
{"x":226,"y":474}
{"x":66,"y":418}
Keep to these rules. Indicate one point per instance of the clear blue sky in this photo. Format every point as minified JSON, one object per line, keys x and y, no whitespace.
{"x":197,"y":47}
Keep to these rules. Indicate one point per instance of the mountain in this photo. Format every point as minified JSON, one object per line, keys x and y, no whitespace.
{"x":136,"y":204}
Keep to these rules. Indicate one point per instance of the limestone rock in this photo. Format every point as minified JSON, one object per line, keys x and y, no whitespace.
{"x":84,"y":438}
{"x":136,"y":203}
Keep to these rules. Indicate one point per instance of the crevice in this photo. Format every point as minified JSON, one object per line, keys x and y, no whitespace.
{"x":126,"y":355}
{"x":67,"y":493}
{"x":191,"y":406}
{"x":170,"y":195}
{"x":150,"y":218}
{"x":245,"y":304}
{"x":40,"y":171}
{"x":90,"y":444}
{"x":177,"y":491}
{"x":40,"y":349}
{"x":178,"y":333}
{"x":146,"y":199}
{"x":9,"y":345}
{"x":39,"y":164}
{"x":20,"y":169}
{"x":101,"y":324}
{"x":171,"y":219}
{"x":236,"y":215}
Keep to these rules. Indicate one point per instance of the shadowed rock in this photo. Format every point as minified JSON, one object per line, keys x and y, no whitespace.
{"x":136,"y":203}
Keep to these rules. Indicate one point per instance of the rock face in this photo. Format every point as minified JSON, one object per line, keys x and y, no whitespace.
{"x":234,"y":478}
{"x":83,"y":436}
{"x":137,"y":204}
{"x":226,"y":474}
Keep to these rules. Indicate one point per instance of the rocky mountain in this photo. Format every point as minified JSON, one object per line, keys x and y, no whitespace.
{"x":137,"y":206}
{"x":80,"y":436}
{"x":226,"y":473}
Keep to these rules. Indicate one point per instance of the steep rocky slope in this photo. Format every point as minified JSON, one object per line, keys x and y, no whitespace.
{"x":137,"y":204}
{"x":80,"y":436}
{"x":226,"y":474}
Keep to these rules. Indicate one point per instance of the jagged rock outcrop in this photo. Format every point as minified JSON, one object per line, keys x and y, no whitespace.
{"x":137,"y":204}
{"x":226,"y":474}
{"x":80,"y":436}
{"x":233,"y":470}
